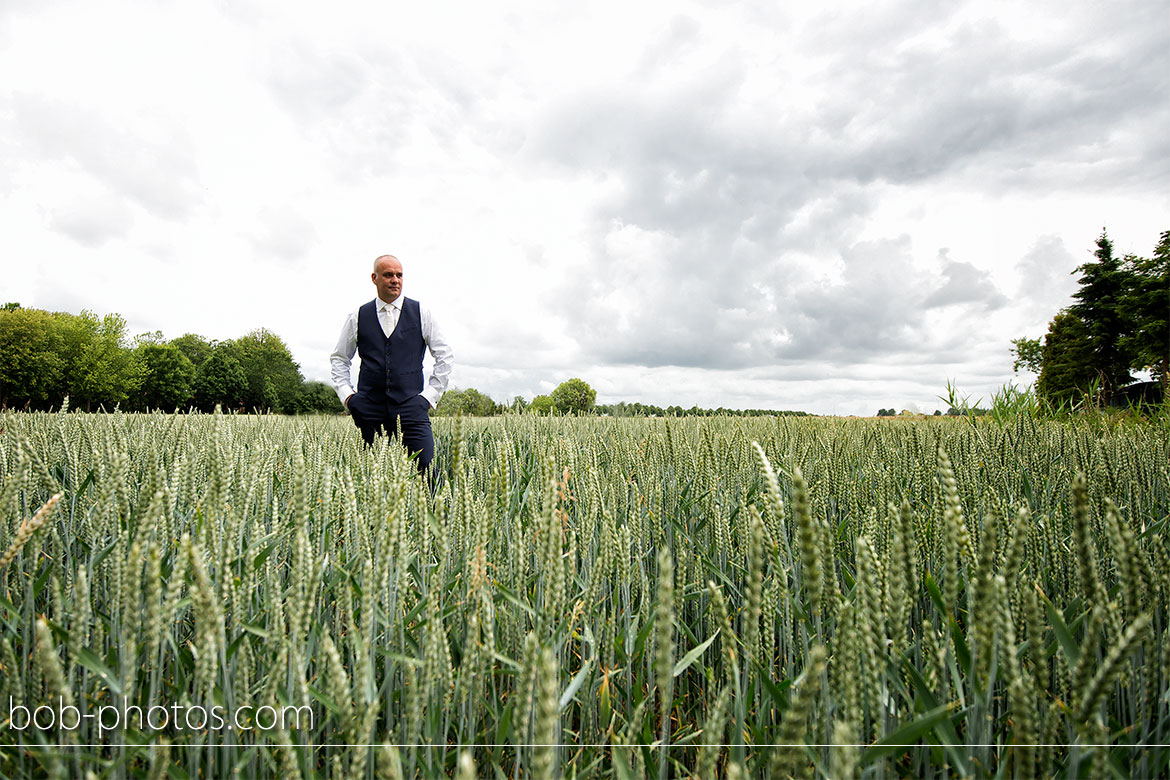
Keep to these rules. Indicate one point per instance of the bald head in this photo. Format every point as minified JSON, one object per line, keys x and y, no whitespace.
{"x":387,"y":277}
{"x":381,"y":258}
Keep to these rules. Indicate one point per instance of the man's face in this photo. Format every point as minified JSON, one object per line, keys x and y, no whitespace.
{"x":387,"y":277}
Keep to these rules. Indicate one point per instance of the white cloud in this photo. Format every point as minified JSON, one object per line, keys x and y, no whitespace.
{"x":91,"y":220}
{"x":829,"y":207}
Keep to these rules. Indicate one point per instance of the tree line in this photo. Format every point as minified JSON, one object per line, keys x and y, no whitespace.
{"x":46,"y":357}
{"x":1117,"y":324}
{"x":951,"y":411}
{"x":575,"y":396}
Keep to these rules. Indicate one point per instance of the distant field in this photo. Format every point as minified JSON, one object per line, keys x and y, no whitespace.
{"x":589,"y":597}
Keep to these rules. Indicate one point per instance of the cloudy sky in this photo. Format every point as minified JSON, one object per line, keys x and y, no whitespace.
{"x":832,"y":207}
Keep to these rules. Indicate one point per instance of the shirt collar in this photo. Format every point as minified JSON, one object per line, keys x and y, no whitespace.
{"x":395,"y":304}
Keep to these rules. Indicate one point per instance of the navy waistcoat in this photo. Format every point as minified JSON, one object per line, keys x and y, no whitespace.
{"x":392,"y":367}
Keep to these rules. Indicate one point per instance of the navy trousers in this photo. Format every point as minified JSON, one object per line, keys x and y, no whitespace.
{"x":382,"y":416}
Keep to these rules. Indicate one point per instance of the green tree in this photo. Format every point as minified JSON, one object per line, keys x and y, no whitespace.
{"x":272,"y":401}
{"x":103,"y":370}
{"x":168,"y":379}
{"x":574,"y":395}
{"x":316,"y":398}
{"x":1066,"y":372}
{"x":1029,"y":354}
{"x":274,"y":378}
{"x":1101,"y":307}
{"x":220,"y":380}
{"x":149,"y":337}
{"x":469,"y":402}
{"x":1147,"y":306}
{"x":76,"y":332}
{"x":542,"y":404}
{"x":31,"y":364}
{"x":195,"y":347}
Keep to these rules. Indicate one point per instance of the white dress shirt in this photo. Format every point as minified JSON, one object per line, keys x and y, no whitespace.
{"x":388,"y":313}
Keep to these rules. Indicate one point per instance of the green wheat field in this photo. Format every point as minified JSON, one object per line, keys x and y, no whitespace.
{"x":206,"y":596}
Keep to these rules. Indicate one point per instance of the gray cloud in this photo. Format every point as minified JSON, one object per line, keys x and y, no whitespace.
{"x":373,"y":105}
{"x":1029,"y":113}
{"x":283,"y":234}
{"x":353,"y":103}
{"x":765,"y":312}
{"x":1047,"y":281}
{"x":158,"y":174}
{"x":312,"y":83}
{"x":92,"y":221}
{"x":888,"y":110}
{"x":964,"y":283}
{"x":727,"y":197}
{"x":677,"y":40}
{"x":875,"y":308}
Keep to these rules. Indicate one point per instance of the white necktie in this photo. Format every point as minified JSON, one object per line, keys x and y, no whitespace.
{"x":389,"y":320}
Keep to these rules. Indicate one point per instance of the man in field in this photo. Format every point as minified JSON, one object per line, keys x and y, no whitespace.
{"x":390,"y":334}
